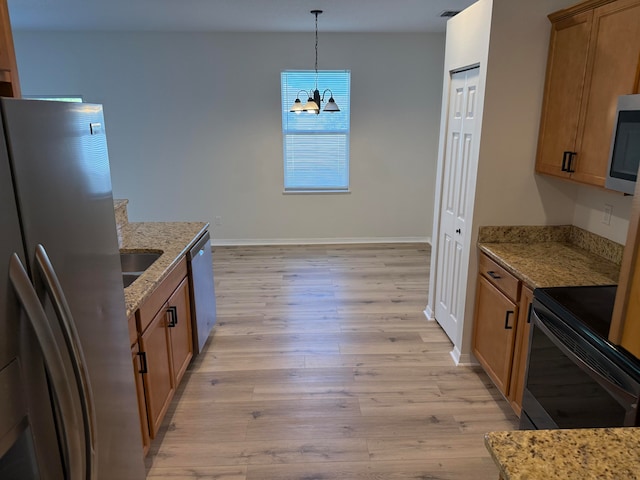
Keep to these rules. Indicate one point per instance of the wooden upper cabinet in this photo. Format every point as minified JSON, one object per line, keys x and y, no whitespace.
{"x":612,"y":71}
{"x":9,"y":83}
{"x":594,"y":55}
{"x":566,"y":69}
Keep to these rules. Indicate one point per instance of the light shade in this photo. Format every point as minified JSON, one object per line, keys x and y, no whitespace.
{"x":297,"y":106}
{"x":311,"y":106}
{"x":331,"y":106}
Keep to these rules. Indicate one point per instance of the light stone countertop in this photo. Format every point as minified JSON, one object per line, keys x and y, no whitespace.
{"x":552,"y":264}
{"x":585,"y":454}
{"x":172,"y":239}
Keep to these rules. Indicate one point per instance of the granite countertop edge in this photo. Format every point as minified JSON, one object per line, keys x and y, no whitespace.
{"x":172,"y":239}
{"x":586,"y":453}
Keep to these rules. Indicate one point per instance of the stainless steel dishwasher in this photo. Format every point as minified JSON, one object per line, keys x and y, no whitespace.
{"x":203,"y":297}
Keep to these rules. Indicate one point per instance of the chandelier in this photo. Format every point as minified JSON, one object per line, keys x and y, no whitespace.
{"x":314,"y":99}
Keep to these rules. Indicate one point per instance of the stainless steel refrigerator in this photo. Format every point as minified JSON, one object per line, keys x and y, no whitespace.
{"x":67,"y":398}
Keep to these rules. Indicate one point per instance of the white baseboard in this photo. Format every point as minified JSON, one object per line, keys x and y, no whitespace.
{"x":229,"y":242}
{"x":463,"y":359}
{"x":429,"y":314}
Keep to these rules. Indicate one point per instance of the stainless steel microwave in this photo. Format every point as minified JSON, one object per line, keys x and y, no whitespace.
{"x":624,"y":157}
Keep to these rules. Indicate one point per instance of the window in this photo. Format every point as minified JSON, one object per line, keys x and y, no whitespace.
{"x":316,"y":146}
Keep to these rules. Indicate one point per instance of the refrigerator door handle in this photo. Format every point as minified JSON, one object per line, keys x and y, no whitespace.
{"x":55,"y":366}
{"x":70,"y":333}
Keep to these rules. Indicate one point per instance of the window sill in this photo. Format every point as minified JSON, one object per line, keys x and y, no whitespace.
{"x":312,"y":192}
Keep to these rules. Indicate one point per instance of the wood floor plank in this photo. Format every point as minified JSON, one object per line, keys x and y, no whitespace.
{"x":199,"y":473}
{"x":442,"y":469}
{"x":323,"y":366}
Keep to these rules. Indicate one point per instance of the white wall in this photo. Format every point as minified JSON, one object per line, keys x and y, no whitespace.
{"x":194,"y":126}
{"x":589,"y":213}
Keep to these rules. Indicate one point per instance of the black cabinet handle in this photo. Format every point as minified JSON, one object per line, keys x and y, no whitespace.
{"x":567,"y":160}
{"x":570,"y":165}
{"x":565,"y":157}
{"x":143,"y":362}
{"x":506,"y":320}
{"x":458,"y":231}
{"x":493,"y":275}
{"x":173,"y":316}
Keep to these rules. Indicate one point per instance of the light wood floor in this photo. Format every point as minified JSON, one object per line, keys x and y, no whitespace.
{"x":322,"y":366}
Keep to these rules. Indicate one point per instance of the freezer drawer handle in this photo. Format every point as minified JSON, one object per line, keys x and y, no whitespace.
{"x":55,"y":366}
{"x":71,"y":337}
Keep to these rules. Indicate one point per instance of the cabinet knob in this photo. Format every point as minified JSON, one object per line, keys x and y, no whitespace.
{"x":458,"y":231}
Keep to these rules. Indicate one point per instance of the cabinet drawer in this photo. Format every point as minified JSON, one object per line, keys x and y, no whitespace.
{"x":498,"y":276}
{"x":158,"y":298}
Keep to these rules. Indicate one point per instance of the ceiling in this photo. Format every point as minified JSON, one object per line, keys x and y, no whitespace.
{"x":233,"y":15}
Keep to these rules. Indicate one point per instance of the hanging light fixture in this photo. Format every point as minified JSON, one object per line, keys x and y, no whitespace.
{"x":314,"y":100}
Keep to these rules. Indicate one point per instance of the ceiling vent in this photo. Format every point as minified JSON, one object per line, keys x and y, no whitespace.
{"x":449,"y":13}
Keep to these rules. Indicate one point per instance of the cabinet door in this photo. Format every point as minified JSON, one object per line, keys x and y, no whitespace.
{"x":9,"y":84}
{"x":564,"y":84}
{"x":139,"y":369}
{"x":611,"y":71}
{"x":181,"y":339}
{"x":516,"y":387}
{"x":159,"y":381}
{"x":493,"y":333}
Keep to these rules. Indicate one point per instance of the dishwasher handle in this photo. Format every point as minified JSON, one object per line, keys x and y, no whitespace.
{"x":203,"y":242}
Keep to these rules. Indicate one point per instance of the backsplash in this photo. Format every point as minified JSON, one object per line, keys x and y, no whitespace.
{"x":591,"y":242}
{"x":122,"y":218}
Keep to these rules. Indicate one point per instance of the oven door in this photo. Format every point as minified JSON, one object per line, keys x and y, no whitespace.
{"x":570,"y":383}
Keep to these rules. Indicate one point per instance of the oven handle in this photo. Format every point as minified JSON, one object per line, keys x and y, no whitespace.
{"x":627,"y":398}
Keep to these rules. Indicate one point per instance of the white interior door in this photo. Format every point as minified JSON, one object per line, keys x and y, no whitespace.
{"x":453,"y":237}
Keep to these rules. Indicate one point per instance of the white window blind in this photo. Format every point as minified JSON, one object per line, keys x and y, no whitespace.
{"x":316,"y":146}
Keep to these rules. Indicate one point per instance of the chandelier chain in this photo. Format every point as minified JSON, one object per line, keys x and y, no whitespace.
{"x":316,"y":13}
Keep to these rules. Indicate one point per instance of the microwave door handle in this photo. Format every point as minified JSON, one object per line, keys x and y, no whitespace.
{"x":70,"y":333}
{"x":55,"y":366}
{"x":616,"y":390}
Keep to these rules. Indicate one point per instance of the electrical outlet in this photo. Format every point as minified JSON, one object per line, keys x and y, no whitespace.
{"x":606,"y":218}
{"x":218,"y":221}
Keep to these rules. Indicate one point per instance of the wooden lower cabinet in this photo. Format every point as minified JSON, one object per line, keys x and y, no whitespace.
{"x":159,"y":384}
{"x":165,"y":347}
{"x":180,"y":330}
{"x":501,"y":329}
{"x":140,"y":368}
{"x":494,"y":333}
{"x":518,"y":371}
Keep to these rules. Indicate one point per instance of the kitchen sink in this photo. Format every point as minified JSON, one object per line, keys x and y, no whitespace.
{"x":137,"y":263}
{"x":134,"y":264}
{"x":129,"y":278}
